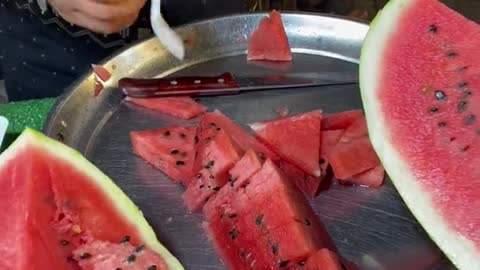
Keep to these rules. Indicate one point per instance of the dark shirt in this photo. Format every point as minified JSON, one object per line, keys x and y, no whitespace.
{"x":41,"y":54}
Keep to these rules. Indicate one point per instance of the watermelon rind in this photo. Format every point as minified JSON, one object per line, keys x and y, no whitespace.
{"x":123,"y":204}
{"x":460,"y":250}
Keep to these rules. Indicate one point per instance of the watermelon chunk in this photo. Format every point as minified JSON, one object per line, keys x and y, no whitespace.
{"x":357,"y":129}
{"x":308,"y":184}
{"x":295,"y":138}
{"x":324,"y":259}
{"x":329,"y":140}
{"x":181,"y":107}
{"x":419,"y":79}
{"x":170,"y":149}
{"x":352,"y":158}
{"x":247,"y":166}
{"x":252,"y":231}
{"x":371,"y":178}
{"x":269,"y":41}
{"x":60,"y":205}
{"x":218,"y":157}
{"x":340,"y":120}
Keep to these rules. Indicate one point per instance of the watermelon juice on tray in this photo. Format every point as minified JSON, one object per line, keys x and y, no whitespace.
{"x":419,"y":78}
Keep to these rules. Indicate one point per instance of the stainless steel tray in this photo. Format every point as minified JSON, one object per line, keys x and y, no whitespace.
{"x":371,"y":227}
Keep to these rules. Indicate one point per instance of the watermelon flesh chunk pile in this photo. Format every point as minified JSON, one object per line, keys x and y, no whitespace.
{"x":419,"y":78}
{"x":62,"y":210}
{"x":181,"y":107}
{"x":269,"y":41}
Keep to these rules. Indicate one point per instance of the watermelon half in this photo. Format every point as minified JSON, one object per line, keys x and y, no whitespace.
{"x":419,"y":78}
{"x":63,"y":213}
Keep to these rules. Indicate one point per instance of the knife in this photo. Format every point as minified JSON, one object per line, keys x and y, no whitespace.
{"x":3,"y":128}
{"x":228,"y":84}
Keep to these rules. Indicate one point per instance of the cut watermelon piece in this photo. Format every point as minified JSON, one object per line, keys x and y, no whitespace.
{"x":269,"y":41}
{"x":357,"y":129}
{"x":324,"y":259}
{"x":60,"y":204}
{"x":170,"y":149}
{"x":340,"y":120}
{"x":295,"y":138}
{"x":181,"y":107}
{"x":308,"y":184}
{"x":245,"y":141}
{"x":247,"y":166}
{"x":252,"y":231}
{"x":218,"y":157}
{"x":352,"y":158}
{"x":371,"y":178}
{"x":329,"y":140}
{"x":419,"y":76}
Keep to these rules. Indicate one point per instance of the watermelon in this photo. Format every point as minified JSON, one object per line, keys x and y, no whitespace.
{"x":371,"y":178}
{"x":340,"y":120}
{"x":308,"y":184}
{"x":170,"y":149}
{"x":329,"y":140}
{"x":419,"y":71}
{"x":252,"y":231}
{"x":357,"y":129}
{"x":323,"y":259}
{"x":61,"y":211}
{"x":269,"y":41}
{"x":295,"y":138}
{"x":248,"y":165}
{"x":181,"y":107}
{"x":217,"y":158}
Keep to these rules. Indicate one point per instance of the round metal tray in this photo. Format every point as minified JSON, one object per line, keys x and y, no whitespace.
{"x":371,"y":227}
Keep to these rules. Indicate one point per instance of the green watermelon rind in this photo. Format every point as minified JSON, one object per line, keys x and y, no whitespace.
{"x":460,"y":250}
{"x":119,"y":199}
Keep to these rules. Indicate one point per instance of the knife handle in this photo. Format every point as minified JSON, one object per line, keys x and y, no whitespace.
{"x":178,"y":86}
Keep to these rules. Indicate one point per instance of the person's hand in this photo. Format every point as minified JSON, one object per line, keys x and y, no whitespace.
{"x":101,"y":16}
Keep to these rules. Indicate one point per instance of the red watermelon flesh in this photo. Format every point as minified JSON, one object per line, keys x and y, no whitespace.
{"x":340,"y":120}
{"x":170,"y":149}
{"x":218,"y":157}
{"x":247,"y":166}
{"x":269,"y":41}
{"x":371,"y":178}
{"x":60,"y":203}
{"x":352,"y":158}
{"x":329,"y":140}
{"x":295,"y":138}
{"x":419,"y":80}
{"x":244,"y":140}
{"x":308,"y":184}
{"x":357,"y":129}
{"x":181,"y":107}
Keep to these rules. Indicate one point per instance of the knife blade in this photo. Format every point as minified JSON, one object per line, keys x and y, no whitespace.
{"x":3,"y":128}
{"x":228,"y":84}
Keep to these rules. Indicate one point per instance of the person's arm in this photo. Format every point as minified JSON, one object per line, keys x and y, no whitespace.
{"x":101,"y":16}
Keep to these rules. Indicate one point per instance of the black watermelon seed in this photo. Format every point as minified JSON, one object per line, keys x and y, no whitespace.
{"x":302,"y":263}
{"x":440,"y":95}
{"x":152,"y":267}
{"x":202,"y":186}
{"x":118,"y":268}
{"x":211,"y":177}
{"x":232,"y":215}
{"x":208,"y":139}
{"x":232,"y":181}
{"x":166,"y":133}
{"x":64,"y":242}
{"x":453,"y":139}
{"x":466,"y":94}
{"x":259,"y":220}
{"x":216,"y":188}
{"x":462,"y":106}
{"x":180,"y":163}
{"x":282,"y":264}
{"x":233,"y":234}
{"x":196,"y":139}
{"x":452,"y":54}
{"x":139,"y":248}
{"x":183,"y":135}
{"x":434,"y":109}
{"x":462,"y":85}
{"x":245,"y":185}
{"x":307,"y":222}
{"x":198,"y":175}
{"x":174,"y":152}
{"x":442,"y":124}
{"x":131,"y":258}
{"x":432,"y":28}
{"x":470,"y":119}
{"x":275,"y":248}
{"x":85,"y":256}
{"x":465,"y":148}
{"x":321,"y":161}
{"x":218,"y":129}
{"x":125,"y":239}
{"x":243,"y":253}
{"x":213,"y":125}
{"x":209,"y":164}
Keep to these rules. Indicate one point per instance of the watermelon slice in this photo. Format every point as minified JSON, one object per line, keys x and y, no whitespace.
{"x":357,"y":129}
{"x":308,"y":184}
{"x":340,"y":120}
{"x":181,"y":107}
{"x":170,"y":149}
{"x":269,"y":41}
{"x":248,"y":165}
{"x":329,"y":140}
{"x":60,"y":205}
{"x":371,"y":178}
{"x":295,"y":138}
{"x":419,"y":76}
{"x":218,"y":157}
{"x":252,"y":231}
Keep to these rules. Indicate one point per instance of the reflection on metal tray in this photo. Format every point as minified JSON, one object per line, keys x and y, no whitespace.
{"x":371,"y":227}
